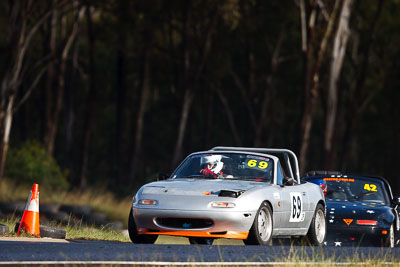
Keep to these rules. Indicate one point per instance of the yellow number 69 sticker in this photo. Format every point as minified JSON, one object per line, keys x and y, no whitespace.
{"x":261,"y":165}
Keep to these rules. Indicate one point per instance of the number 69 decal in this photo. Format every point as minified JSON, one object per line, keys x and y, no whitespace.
{"x":260,"y":164}
{"x":296,"y":207}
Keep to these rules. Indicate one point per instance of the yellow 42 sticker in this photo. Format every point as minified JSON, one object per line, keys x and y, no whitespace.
{"x":260,"y":164}
{"x":370,"y":187}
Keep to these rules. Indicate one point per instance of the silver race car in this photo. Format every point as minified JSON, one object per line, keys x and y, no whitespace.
{"x":252,"y":194}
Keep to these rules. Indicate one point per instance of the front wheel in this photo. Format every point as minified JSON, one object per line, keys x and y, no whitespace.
{"x":134,"y":236}
{"x":201,"y":241}
{"x":261,"y":230}
{"x":317,"y":232}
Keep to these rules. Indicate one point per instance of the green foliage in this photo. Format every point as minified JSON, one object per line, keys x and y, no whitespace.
{"x":31,"y":163}
{"x":254,"y":56}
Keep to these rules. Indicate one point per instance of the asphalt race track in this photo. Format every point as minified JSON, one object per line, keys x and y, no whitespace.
{"x":104,"y":252}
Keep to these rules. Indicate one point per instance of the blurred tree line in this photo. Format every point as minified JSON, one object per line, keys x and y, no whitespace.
{"x":118,"y":90}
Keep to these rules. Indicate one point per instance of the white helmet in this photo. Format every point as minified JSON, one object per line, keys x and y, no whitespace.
{"x":213,"y":159}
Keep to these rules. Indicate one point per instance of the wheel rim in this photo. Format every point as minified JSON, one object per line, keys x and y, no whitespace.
{"x":264,"y":225}
{"x":320,"y":228}
{"x":391,"y":233}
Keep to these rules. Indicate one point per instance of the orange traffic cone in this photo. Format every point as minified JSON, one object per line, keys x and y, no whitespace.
{"x":30,"y":218}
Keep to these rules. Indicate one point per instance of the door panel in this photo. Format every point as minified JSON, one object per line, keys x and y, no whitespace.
{"x":295,"y":206}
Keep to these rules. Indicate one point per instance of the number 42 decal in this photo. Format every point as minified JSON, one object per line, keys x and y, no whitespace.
{"x":296,"y":207}
{"x":370,"y":187}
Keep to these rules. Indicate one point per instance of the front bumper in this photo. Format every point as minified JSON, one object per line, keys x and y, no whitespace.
{"x":216,"y":223}
{"x":366,"y":235}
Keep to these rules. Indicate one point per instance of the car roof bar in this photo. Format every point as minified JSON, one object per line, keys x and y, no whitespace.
{"x":285,"y":152}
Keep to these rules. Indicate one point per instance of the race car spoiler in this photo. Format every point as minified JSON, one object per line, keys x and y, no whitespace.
{"x":286,"y":153}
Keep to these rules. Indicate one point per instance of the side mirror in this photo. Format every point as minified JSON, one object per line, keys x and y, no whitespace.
{"x":288,"y":181}
{"x":162,"y":176}
{"x":396,"y":201}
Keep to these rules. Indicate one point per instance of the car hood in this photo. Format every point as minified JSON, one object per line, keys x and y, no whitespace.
{"x":198,"y":186}
{"x":346,"y":213}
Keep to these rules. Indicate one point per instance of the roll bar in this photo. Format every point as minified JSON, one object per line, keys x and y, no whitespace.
{"x":286,"y":153}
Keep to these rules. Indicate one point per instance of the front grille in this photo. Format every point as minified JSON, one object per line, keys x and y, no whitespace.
{"x":184,"y":223}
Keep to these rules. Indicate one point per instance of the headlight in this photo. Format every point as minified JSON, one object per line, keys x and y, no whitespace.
{"x":223,"y":205}
{"x":148,"y":202}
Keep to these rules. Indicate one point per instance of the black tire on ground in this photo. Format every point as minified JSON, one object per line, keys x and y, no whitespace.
{"x":52,"y":232}
{"x":49,"y":208}
{"x":77,"y":210}
{"x":47,"y":231}
{"x":261,"y":230}
{"x":12,"y":207}
{"x":97,"y":218}
{"x":201,"y":240}
{"x":16,"y":227}
{"x":3,"y":229}
{"x":134,"y":236}
{"x":60,"y":216}
{"x":317,"y":232}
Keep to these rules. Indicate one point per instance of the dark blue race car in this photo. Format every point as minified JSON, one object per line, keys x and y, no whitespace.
{"x":360,"y":209}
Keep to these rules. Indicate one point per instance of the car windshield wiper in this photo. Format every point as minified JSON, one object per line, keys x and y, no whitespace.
{"x":362,"y":194}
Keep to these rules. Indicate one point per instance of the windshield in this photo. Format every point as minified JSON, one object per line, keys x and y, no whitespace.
{"x":349,"y":189}
{"x":237,"y":166}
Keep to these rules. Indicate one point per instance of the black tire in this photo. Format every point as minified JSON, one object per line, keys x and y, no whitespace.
{"x":77,"y":210}
{"x":261,"y":230}
{"x":3,"y":229}
{"x":316,"y":235}
{"x":97,"y":218}
{"x":16,"y":227}
{"x":134,"y":236}
{"x":49,"y":208}
{"x":60,"y":216}
{"x":52,"y":232}
{"x":47,"y":231}
{"x":201,"y":240}
{"x":12,"y":207}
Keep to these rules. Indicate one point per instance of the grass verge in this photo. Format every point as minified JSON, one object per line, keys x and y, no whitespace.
{"x":77,"y":231}
{"x":99,"y":198}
